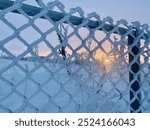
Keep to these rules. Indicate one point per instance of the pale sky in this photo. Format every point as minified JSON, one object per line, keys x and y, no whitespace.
{"x":131,"y":10}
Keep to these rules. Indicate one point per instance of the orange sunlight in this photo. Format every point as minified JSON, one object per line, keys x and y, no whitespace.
{"x":105,"y":60}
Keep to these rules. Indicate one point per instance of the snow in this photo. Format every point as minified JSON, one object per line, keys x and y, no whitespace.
{"x":49,"y":88}
{"x":65,"y":85}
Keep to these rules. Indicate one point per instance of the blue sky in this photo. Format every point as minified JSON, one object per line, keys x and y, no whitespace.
{"x":131,"y":10}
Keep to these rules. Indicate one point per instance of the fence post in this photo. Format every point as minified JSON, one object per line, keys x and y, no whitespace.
{"x":134,"y":74}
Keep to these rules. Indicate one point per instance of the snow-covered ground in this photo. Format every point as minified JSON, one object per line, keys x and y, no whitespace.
{"x":54,"y":87}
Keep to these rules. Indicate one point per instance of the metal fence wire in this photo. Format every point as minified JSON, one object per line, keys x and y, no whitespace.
{"x":57,"y":61}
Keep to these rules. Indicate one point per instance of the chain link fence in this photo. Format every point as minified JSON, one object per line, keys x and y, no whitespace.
{"x":57,"y":61}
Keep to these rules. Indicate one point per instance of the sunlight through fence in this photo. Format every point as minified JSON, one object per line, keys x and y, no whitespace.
{"x":57,"y":61}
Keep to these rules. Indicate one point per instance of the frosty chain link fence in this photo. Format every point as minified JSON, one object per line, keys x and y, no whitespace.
{"x":57,"y":61}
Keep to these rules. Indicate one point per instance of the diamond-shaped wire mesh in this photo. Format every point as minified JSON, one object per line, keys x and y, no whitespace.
{"x":57,"y":61}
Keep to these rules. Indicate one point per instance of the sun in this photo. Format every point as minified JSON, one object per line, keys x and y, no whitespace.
{"x":104,"y":60}
{"x":107,"y":61}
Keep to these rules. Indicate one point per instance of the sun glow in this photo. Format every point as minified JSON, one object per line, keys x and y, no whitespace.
{"x":107,"y":61}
